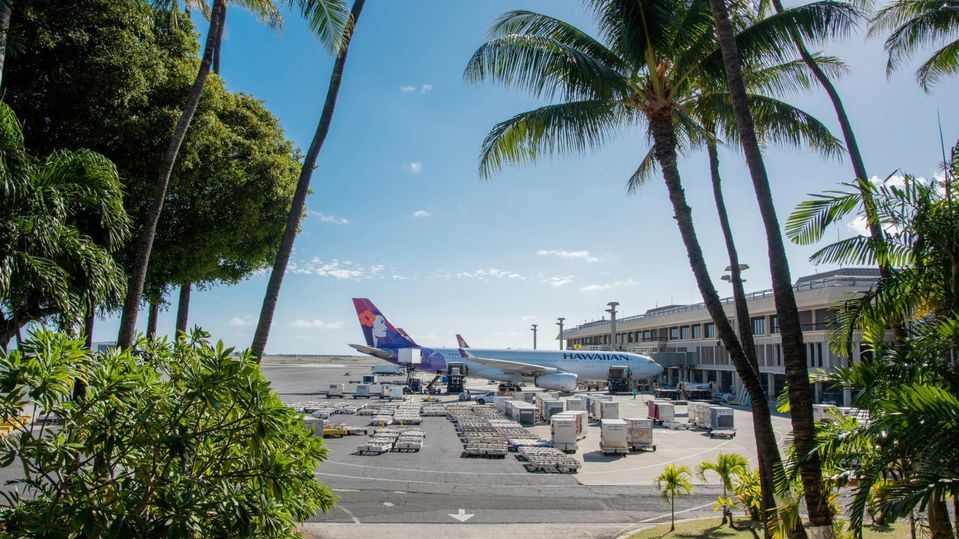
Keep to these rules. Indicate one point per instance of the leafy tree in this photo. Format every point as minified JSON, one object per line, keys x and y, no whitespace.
{"x":229,"y":198}
{"x":726,"y":466}
{"x":181,"y":440}
{"x":672,"y":482}
{"x":914,"y":25}
{"x":901,"y":464}
{"x":325,"y":18}
{"x":794,"y":351}
{"x":262,"y":333}
{"x":61,"y":219}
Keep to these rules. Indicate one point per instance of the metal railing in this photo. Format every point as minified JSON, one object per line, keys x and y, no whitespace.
{"x":828,"y":282}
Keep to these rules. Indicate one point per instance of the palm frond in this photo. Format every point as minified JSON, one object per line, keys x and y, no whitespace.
{"x":574,"y":127}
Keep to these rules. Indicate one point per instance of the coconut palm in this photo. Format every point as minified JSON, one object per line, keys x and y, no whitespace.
{"x":61,"y":221}
{"x":672,"y":482}
{"x":262,"y":333}
{"x":652,"y":58}
{"x":914,"y":25}
{"x":794,"y":350}
{"x":726,"y":466}
{"x":326,"y":19}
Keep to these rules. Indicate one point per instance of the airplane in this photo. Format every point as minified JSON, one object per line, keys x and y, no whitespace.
{"x":547,"y":369}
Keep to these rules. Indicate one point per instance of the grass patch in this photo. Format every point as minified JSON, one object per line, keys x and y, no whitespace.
{"x":711,"y":528}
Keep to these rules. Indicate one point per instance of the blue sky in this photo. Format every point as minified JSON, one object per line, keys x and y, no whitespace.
{"x":398,"y":212}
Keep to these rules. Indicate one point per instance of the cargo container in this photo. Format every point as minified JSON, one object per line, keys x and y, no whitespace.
{"x":661,"y":412}
{"x":362,"y":390}
{"x":576,"y":404}
{"x":609,"y":409}
{"x":720,"y":418}
{"x":335,"y":390}
{"x":500,"y":403}
{"x":613,"y":437}
{"x":582,"y":421}
{"x":824,"y":413}
{"x":551,"y":408}
{"x":639,"y":434}
{"x":565,"y":437}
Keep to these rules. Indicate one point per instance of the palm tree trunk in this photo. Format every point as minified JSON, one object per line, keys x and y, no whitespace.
{"x":6,"y":9}
{"x":876,"y":233}
{"x":88,"y":322}
{"x":302,"y":188}
{"x":183,"y":307}
{"x":152,"y":319}
{"x":131,"y":304}
{"x":794,"y":350}
{"x":664,"y":148}
{"x":939,"y":525}
{"x":742,"y":317}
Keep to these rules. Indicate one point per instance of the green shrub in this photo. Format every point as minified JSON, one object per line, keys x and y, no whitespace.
{"x":166,"y":440}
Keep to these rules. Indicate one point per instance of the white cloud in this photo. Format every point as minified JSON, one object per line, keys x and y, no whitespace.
{"x":237,"y":321}
{"x":491,"y":273}
{"x":420,"y":214}
{"x":416,"y":167}
{"x":569,"y":255}
{"x":406,"y":88}
{"x":557,"y":281}
{"x":334,"y":268}
{"x":324,"y":218}
{"x":317,"y":324}
{"x":607,"y":286}
{"x":426,"y":88}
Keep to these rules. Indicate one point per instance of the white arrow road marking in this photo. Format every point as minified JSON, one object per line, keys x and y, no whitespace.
{"x":462,"y":516}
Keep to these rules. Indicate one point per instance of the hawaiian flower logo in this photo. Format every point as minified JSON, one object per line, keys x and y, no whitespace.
{"x":367,"y":318}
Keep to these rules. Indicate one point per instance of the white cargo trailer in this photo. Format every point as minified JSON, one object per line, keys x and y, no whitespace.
{"x":564,"y":433}
{"x":582,"y":421}
{"x":609,"y":409}
{"x":639,"y":434}
{"x":613,"y":437}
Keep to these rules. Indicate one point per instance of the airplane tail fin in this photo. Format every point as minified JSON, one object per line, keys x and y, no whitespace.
{"x":461,"y":341}
{"x":377,"y":330}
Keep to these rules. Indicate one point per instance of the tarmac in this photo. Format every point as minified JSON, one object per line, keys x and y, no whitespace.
{"x":436,"y":490}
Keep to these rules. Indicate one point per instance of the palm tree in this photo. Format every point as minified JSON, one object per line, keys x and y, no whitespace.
{"x":648,"y":70}
{"x":325,"y":19}
{"x":914,"y":25}
{"x":303,"y":187}
{"x":671,"y":482}
{"x":794,"y":352}
{"x":62,"y":220}
{"x":726,"y":466}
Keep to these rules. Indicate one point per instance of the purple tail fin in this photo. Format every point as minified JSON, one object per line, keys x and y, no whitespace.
{"x":379,"y":332}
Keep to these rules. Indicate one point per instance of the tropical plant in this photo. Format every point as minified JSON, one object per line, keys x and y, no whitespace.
{"x":790,"y":329}
{"x":915,"y":25}
{"x":672,"y":482}
{"x":61,"y":222}
{"x":325,"y":17}
{"x":272,"y":294}
{"x":900,"y":463}
{"x":726,"y":466}
{"x":653,"y":59}
{"x":181,"y":440}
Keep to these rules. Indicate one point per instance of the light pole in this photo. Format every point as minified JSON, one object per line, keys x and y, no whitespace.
{"x":560,"y":324}
{"x":534,"y":335}
{"x":612,"y":323}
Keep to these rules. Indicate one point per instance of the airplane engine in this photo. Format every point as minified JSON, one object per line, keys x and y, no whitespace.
{"x":562,"y":381}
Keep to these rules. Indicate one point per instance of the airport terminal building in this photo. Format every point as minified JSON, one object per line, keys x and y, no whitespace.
{"x":683,"y":339}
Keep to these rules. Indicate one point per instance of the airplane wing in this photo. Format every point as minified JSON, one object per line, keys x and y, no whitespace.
{"x":509,"y":367}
